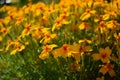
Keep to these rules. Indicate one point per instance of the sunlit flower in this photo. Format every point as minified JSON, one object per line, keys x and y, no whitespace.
{"x":107,"y":68}
{"x":102,"y":26}
{"x":19,"y":20}
{"x":47,"y":38}
{"x":84,"y":26}
{"x":63,"y":51}
{"x":104,"y":55}
{"x":102,"y":17}
{"x":111,"y":24}
{"x":17,"y":48}
{"x":9,"y":44}
{"x":59,"y":22}
{"x":27,"y":30}
{"x":44,"y":21}
{"x":87,"y":14}
{"x":46,"y":49}
{"x":5,"y":31}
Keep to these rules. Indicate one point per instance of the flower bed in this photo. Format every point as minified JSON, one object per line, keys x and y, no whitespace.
{"x":69,"y":40}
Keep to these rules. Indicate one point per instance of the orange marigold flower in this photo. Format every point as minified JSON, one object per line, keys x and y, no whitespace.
{"x":107,"y":68}
{"x":46,"y":49}
{"x":87,"y":14}
{"x":104,"y":55}
{"x":83,"y":26}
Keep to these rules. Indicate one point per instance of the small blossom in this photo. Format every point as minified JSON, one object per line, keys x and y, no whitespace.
{"x":104,"y":55}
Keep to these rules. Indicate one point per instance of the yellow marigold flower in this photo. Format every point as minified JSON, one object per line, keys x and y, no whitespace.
{"x":77,"y":50}
{"x":107,"y":68}
{"x":83,"y":26}
{"x":17,"y":48}
{"x":47,"y":38}
{"x":9,"y":43}
{"x":87,"y":14}
{"x":63,"y":51}
{"x":102,"y":17}
{"x":19,"y":20}
{"x":102,"y":26}
{"x":5,"y":31}
{"x":44,"y":20}
{"x":104,"y":55}
{"x":106,"y":16}
{"x":59,"y":22}
{"x":46,"y":49}
{"x":114,"y":13}
{"x":49,"y":10}
{"x":111,"y":24}
{"x":27,"y":30}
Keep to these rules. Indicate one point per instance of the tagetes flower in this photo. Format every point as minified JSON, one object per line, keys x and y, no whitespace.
{"x":111,"y":24}
{"x":46,"y":50}
{"x":104,"y":55}
{"x":87,"y":14}
{"x":39,"y":31}
{"x":47,"y":38}
{"x":63,"y":51}
{"x":27,"y":30}
{"x":102,"y":17}
{"x":57,"y":24}
{"x":44,"y":21}
{"x":5,"y":31}
{"x":107,"y":68}
{"x":100,"y":78}
{"x":102,"y":26}
{"x":75,"y":52}
{"x":17,"y":48}
{"x":9,"y":44}
{"x":49,"y":10}
{"x":84,"y":26}
{"x":61,"y":20}
{"x":19,"y":20}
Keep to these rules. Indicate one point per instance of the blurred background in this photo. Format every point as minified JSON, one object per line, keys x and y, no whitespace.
{"x":23,"y":2}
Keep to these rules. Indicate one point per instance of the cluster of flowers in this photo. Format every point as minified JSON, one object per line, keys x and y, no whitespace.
{"x":70,"y":28}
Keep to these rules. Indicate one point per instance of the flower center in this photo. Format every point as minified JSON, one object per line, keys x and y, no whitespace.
{"x":103,"y":55}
